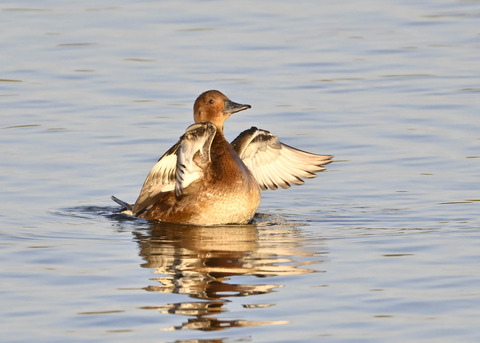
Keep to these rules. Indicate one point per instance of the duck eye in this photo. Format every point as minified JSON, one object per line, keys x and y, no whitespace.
{"x":211,"y":101}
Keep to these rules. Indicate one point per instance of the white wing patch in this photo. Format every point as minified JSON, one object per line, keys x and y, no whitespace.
{"x":274,"y":164}
{"x":179,"y":166}
{"x":192,"y":155}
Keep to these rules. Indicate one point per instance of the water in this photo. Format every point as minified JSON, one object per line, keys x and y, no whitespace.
{"x":384,"y":246}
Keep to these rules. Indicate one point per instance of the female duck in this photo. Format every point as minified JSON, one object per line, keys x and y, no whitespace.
{"x":204,"y":180}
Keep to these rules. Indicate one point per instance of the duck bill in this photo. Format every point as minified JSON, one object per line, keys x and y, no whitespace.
{"x":233,"y":107}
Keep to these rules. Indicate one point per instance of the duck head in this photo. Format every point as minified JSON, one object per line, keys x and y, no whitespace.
{"x":215,"y":107}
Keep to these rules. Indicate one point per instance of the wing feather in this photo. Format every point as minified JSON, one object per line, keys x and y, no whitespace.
{"x":275,"y":164}
{"x":192,"y":155}
{"x":178,"y":167}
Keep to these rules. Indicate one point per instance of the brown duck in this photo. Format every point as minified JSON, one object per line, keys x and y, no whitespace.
{"x":205,"y":180}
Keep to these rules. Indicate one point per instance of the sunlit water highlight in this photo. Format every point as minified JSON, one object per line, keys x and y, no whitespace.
{"x":383,"y":246}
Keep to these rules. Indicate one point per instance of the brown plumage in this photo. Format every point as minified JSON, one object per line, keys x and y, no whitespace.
{"x":204,"y":180}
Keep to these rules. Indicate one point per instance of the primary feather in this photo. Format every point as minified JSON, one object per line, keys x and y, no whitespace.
{"x":273,"y":163}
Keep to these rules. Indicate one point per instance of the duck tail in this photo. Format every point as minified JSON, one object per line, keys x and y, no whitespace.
{"x":125,"y":205}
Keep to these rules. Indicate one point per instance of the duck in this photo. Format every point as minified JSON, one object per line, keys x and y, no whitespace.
{"x":204,"y":180}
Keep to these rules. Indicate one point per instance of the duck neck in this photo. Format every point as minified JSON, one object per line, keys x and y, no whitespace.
{"x":219,"y":129}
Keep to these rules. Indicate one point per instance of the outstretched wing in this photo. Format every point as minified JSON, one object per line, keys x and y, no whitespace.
{"x":274,"y":164}
{"x":193,"y":154}
{"x":179,"y":166}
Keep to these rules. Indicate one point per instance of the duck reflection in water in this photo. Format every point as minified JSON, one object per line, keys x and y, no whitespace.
{"x":200,"y":262}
